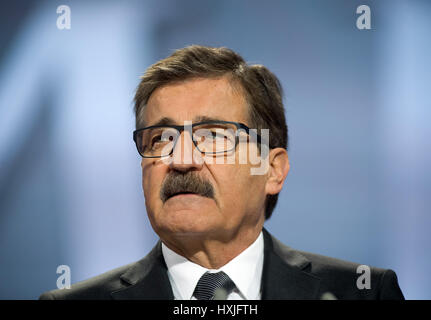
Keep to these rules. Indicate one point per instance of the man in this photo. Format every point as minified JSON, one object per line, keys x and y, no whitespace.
{"x":200,"y":113}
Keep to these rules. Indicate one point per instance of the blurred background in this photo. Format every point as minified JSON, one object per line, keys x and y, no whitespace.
{"x":358,"y":110}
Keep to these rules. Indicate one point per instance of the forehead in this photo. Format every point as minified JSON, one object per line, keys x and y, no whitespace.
{"x":196,"y":98}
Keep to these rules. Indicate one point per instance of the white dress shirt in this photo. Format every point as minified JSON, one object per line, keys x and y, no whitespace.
{"x":245,"y":270}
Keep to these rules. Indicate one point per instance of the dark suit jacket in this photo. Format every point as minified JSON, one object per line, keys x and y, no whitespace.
{"x":287,"y":274}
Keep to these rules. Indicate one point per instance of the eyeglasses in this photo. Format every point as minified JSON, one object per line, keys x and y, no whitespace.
{"x":209,"y":137}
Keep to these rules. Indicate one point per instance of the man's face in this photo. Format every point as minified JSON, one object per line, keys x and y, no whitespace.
{"x":237,"y":201}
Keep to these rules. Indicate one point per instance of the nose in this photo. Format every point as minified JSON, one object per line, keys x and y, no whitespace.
{"x":185,"y":156}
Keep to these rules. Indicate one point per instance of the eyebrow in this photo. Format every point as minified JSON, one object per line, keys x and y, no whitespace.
{"x":166,"y":121}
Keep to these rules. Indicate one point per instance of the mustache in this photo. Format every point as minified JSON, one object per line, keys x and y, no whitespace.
{"x":185,"y":182}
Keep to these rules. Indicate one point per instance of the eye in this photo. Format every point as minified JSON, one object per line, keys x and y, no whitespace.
{"x":159,"y":139}
{"x":218,"y":135}
{"x":155,"y":139}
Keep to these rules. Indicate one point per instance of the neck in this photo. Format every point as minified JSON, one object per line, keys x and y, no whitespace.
{"x":213,"y":252}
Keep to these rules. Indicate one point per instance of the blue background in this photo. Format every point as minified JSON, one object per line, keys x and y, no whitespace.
{"x":357,"y":104}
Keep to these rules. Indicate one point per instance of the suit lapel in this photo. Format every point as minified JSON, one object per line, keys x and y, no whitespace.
{"x":284,"y":275}
{"x":147,"y":279}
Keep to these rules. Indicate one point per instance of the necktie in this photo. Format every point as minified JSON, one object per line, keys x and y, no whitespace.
{"x":210,"y":282}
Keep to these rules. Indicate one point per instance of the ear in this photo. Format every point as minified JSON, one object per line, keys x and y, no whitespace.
{"x":278,"y":170}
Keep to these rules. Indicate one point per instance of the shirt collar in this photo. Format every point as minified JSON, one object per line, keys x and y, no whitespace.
{"x":245,"y":270}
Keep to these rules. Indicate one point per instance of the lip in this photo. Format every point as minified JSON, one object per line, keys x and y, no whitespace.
{"x":186,"y":195}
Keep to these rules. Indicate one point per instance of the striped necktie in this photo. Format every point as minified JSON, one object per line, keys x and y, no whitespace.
{"x":210,"y":282}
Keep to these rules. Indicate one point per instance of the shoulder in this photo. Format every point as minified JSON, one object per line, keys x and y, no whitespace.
{"x":343,"y":279}
{"x":103,"y":286}
{"x":351,"y":280}
{"x":98,"y":287}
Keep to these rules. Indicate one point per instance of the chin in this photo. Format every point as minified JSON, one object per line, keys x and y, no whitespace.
{"x":187,"y":222}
